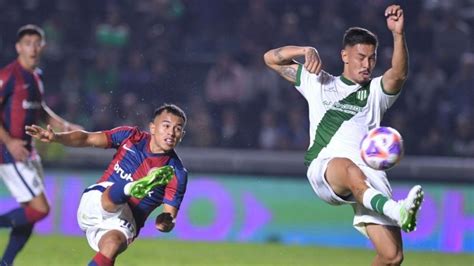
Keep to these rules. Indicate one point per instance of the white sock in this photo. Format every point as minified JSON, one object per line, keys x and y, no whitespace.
{"x":127,"y":188}
{"x":376,"y":201}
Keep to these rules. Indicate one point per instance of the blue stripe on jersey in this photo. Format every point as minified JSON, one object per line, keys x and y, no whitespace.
{"x":23,"y":180}
{"x":119,"y":134}
{"x":7,"y":106}
{"x":182,"y":180}
{"x":33,"y":96}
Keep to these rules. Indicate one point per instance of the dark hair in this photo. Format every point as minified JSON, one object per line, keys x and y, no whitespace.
{"x":30,"y":29}
{"x":357,"y":35}
{"x":171,"y":108}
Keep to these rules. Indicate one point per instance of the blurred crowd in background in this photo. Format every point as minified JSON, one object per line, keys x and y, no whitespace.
{"x":110,"y":63}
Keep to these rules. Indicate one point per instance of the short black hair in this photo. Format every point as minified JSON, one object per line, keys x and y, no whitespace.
{"x":171,"y":108}
{"x":30,"y":29}
{"x":357,"y":35}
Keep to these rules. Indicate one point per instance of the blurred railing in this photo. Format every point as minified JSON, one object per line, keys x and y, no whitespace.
{"x":275,"y":163}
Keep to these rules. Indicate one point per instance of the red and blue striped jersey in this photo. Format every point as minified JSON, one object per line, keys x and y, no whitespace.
{"x":133,"y":160}
{"x":21,"y":98}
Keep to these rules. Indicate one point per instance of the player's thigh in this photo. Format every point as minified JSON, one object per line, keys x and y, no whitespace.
{"x":97,"y":223}
{"x":24,"y":180}
{"x":344,"y":176}
{"x":387,"y":240}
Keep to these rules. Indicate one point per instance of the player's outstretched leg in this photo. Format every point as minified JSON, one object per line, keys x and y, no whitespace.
{"x":158,"y":177}
{"x":409,"y":208}
{"x":18,"y":238}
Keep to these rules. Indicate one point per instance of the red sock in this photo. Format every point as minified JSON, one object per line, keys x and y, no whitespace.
{"x":101,"y":260}
{"x":33,"y":216}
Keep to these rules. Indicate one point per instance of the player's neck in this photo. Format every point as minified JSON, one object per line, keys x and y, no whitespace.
{"x":27,"y":66}
{"x":156,"y":149}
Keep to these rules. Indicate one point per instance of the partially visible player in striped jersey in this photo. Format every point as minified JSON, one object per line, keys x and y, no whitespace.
{"x":341,"y":110}
{"x":144,"y":173}
{"x":21,"y":103}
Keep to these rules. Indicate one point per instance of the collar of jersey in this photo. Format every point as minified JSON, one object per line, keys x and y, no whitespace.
{"x":346,"y":80}
{"x":350,"y":82}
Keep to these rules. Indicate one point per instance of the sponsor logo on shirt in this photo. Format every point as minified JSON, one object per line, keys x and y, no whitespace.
{"x":128,"y":148}
{"x":119,"y":170}
{"x":346,"y":108}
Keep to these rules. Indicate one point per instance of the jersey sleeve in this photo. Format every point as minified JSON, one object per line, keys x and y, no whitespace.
{"x":303,"y":80}
{"x":385,"y":99}
{"x":174,"y":191}
{"x":309,"y":84}
{"x":116,"y":136}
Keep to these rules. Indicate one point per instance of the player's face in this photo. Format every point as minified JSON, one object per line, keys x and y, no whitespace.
{"x":359,"y":62}
{"x":167,"y":130}
{"x":29,"y":49}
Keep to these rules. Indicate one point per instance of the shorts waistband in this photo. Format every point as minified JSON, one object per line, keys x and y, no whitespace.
{"x":95,"y":187}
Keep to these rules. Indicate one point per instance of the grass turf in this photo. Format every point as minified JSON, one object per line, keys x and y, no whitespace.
{"x":60,"y":250}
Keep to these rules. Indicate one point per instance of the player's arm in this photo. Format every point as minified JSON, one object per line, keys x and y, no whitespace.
{"x":76,"y":138}
{"x":165,"y":221}
{"x":15,"y":146}
{"x":283,"y":60}
{"x":394,"y":77}
{"x":58,"y":122}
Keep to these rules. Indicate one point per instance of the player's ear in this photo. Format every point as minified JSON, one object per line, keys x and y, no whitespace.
{"x":344,"y":56}
{"x":17,"y":47}
{"x":152,"y":128}
{"x":182,"y":136}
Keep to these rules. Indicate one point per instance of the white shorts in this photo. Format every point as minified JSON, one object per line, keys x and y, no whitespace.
{"x":95,"y":221}
{"x":23,"y":179}
{"x":362,"y":216}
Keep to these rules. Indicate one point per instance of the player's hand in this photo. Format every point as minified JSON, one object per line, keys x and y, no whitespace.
{"x":394,"y":15}
{"x":164,"y":222}
{"x":17,"y":149}
{"x":312,"y":61}
{"x":45,"y":135}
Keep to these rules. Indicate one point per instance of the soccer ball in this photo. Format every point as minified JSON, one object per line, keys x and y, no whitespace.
{"x":382,"y":148}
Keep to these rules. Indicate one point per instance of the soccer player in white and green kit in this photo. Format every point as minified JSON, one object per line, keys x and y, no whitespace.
{"x":341,"y":110}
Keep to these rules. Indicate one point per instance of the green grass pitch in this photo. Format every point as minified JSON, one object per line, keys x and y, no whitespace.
{"x":60,"y":250}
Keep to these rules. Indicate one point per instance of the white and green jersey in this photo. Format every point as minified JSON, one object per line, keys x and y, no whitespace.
{"x":340,"y":113}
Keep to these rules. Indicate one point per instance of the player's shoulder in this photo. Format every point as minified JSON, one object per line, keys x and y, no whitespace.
{"x":325,"y":77}
{"x":123,"y":132}
{"x":376,"y":82}
{"x":136,"y":132}
{"x":177,"y":163}
{"x":7,"y":71}
{"x":322,"y":77}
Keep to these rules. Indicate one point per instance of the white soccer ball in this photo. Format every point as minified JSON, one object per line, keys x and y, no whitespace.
{"x":382,"y":148}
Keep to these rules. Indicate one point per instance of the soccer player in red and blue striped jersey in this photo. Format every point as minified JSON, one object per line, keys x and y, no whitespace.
{"x":21,"y":103}
{"x":144,"y":173}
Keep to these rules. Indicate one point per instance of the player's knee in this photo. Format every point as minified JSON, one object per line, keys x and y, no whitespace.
{"x":112,"y":244}
{"x":34,"y":215}
{"x":394,"y":257}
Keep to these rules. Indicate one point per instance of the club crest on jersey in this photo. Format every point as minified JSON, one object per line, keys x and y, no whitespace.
{"x":121,"y":173}
{"x":362,"y":95}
